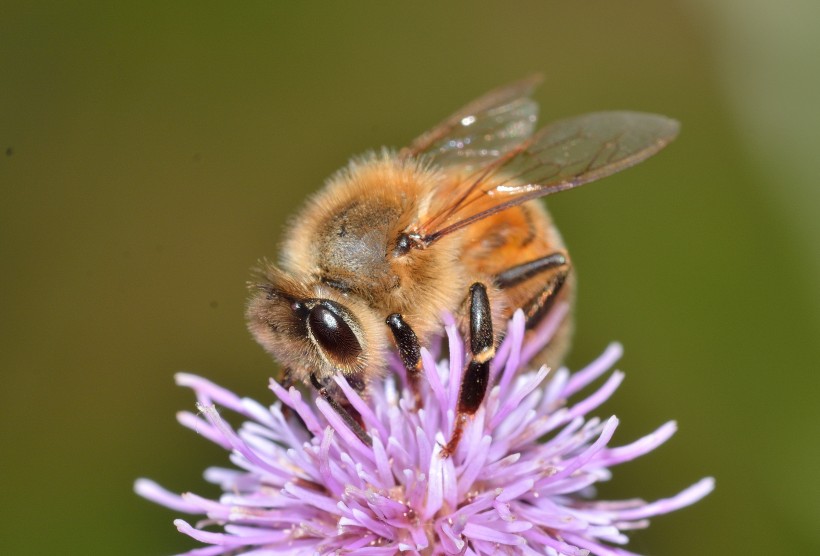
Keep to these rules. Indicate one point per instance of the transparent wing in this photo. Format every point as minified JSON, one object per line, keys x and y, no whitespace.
{"x":483,"y":130}
{"x":563,"y":155}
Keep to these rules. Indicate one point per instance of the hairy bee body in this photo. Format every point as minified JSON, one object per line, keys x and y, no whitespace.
{"x":449,"y":224}
{"x":344,"y":249}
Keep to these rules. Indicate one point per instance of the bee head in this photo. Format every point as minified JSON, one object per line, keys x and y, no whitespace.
{"x":313,"y":329}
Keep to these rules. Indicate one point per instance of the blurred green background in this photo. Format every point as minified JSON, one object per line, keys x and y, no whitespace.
{"x":150,"y":155}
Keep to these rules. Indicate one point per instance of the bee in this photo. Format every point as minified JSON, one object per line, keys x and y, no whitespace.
{"x":450,"y":223}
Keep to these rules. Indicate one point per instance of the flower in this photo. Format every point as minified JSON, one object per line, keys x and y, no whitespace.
{"x":521,"y":481}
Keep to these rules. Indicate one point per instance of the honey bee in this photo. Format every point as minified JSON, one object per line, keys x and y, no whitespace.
{"x":450,"y":223}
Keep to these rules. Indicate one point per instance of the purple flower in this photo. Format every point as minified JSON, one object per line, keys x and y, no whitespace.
{"x":521,"y":482}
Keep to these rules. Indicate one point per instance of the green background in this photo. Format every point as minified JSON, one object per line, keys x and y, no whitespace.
{"x":151,"y":154}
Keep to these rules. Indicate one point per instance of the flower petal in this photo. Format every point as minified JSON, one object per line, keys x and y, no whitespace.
{"x":521,"y":480}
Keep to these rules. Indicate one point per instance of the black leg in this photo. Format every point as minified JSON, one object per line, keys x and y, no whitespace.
{"x":517,"y":274}
{"x":538,"y":307}
{"x":481,"y":324}
{"x":409,"y":351}
{"x":346,"y":411}
{"x":540,"y":304}
{"x":287,"y":382}
{"x":476,"y":376}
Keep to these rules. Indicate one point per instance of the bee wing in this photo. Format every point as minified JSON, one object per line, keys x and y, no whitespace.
{"x":483,"y":130}
{"x":563,"y":155}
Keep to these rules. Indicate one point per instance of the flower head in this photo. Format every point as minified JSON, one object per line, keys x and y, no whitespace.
{"x":521,"y":481}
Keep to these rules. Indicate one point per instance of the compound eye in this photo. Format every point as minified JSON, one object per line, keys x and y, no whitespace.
{"x":333,"y":334}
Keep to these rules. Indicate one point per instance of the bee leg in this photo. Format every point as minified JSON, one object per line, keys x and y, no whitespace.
{"x":477,"y":374}
{"x":538,"y":307}
{"x":346,"y":411}
{"x":540,"y":304}
{"x":517,"y":274}
{"x":409,"y":350}
{"x":287,"y":382}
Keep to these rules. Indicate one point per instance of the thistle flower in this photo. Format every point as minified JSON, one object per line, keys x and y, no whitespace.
{"x":521,"y":481}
